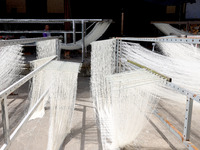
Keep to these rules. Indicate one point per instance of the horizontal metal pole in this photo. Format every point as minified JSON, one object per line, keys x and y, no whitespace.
{"x":4,"y":147}
{"x":47,"y":20}
{"x":183,"y":91}
{"x":189,"y":39}
{"x":176,"y":132}
{"x":177,"y":22}
{"x":5,"y":121}
{"x":25,"y":119}
{"x":29,"y":114}
{"x":153,"y":71}
{"x":169,"y":83}
{"x":27,"y":40}
{"x":39,"y":31}
{"x":23,"y":80}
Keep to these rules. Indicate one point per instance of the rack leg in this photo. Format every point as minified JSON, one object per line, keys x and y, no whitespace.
{"x":188,"y":119}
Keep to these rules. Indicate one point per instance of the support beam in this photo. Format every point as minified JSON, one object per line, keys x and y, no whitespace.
{"x":25,"y":41}
{"x":74,"y":32}
{"x":148,"y":69}
{"x":170,"y":39}
{"x":188,"y":119}
{"x":83,"y":40}
{"x":47,"y":20}
{"x":176,"y":22}
{"x":5,"y":121}
{"x":176,"y":132}
{"x":23,"y":80}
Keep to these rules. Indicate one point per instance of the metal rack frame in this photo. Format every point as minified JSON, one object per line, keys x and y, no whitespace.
{"x":9,"y":137}
{"x":185,"y":136}
{"x":57,"y":21}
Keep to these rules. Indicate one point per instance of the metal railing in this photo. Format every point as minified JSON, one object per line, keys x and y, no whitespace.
{"x":26,"y":41}
{"x":7,"y":135}
{"x":83,"y":23}
{"x":185,"y":136}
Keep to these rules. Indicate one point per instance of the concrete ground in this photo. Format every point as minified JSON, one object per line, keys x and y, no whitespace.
{"x":83,"y":136}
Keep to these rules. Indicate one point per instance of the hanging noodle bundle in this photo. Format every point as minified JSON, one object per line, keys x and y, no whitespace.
{"x":11,"y":63}
{"x":122,"y":101}
{"x":61,"y":80}
{"x":184,"y":68}
{"x":62,"y":95}
{"x":46,"y":48}
{"x":130,"y":99}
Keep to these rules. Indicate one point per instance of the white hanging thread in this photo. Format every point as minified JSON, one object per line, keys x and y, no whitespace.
{"x":11,"y":64}
{"x":46,"y":48}
{"x":61,"y":80}
{"x":39,"y":84}
{"x":117,"y":103}
{"x":130,"y":99}
{"x":102,"y":64}
{"x":45,"y":51}
{"x":183,"y":72}
{"x":62,"y":97}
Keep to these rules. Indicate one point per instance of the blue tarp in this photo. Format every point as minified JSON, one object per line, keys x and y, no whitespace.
{"x":171,"y":2}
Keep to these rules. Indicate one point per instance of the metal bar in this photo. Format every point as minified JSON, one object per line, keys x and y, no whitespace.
{"x":47,"y":20}
{"x":74,"y":32}
{"x":120,"y":62}
{"x":38,"y":31}
{"x":28,"y":115}
{"x":25,"y":119}
{"x":153,"y":71}
{"x":83,"y":40}
{"x":188,"y":119}
{"x":188,"y":114}
{"x":117,"y":50}
{"x":176,"y":22}
{"x":23,"y":80}
{"x":24,"y":41}
{"x":5,"y":121}
{"x":176,"y":132}
{"x":85,"y":32}
{"x":58,"y":50}
{"x":189,"y":39}
{"x":169,"y":83}
{"x":65,"y":37}
{"x":183,"y":91}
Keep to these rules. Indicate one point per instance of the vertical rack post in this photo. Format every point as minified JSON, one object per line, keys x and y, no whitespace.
{"x":74,"y":32}
{"x":5,"y":121}
{"x":58,"y":50}
{"x":118,"y":53}
{"x":117,"y":65}
{"x":83,"y":40}
{"x":65,"y":38}
{"x":188,"y":119}
{"x":120,"y":56}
